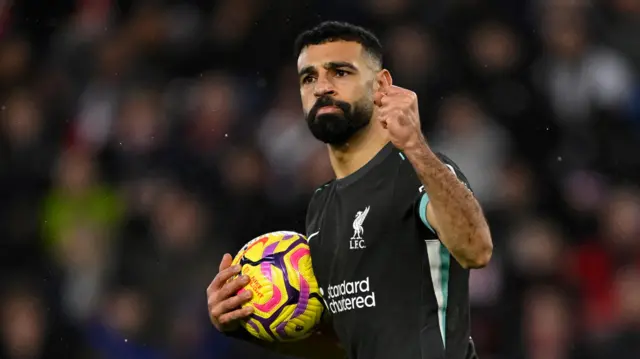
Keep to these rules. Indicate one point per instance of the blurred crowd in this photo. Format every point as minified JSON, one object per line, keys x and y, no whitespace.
{"x":141,"y":140}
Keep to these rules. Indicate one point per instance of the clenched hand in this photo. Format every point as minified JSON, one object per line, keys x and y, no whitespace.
{"x":398,"y":113}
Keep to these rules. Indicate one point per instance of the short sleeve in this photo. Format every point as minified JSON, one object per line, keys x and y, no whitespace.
{"x":422,"y":199}
{"x":314,"y":209}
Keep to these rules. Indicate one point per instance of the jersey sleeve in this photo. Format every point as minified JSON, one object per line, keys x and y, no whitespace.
{"x":422,"y":199}
{"x":314,"y":209}
{"x":311,"y":216}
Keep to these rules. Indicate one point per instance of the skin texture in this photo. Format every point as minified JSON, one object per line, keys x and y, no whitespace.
{"x":342,"y":71}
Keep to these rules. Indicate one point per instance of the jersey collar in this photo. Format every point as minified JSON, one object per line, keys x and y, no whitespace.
{"x":362,"y":171}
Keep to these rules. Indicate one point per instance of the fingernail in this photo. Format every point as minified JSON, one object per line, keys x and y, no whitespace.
{"x":237,"y":268}
{"x":245,"y":278}
{"x":246,"y":294}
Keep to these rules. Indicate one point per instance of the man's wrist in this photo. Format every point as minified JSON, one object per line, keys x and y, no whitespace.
{"x":418,"y":149}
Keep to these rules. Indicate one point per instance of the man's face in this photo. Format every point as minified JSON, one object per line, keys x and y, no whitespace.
{"x":337,"y":86}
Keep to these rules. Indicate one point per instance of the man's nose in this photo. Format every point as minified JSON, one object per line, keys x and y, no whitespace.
{"x":324,"y":88}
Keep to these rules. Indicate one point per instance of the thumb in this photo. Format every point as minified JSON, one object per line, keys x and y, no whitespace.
{"x":226,"y":262}
{"x":377,"y":98}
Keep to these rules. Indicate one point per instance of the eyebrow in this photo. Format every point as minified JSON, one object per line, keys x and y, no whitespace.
{"x":332,"y":65}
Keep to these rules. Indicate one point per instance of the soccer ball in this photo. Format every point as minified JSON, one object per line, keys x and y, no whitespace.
{"x":287,"y":304}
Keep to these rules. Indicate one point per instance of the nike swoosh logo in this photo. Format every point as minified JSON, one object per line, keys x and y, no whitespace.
{"x":312,"y":235}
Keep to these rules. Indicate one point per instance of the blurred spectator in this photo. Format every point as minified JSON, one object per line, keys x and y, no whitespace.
{"x":284,"y":136}
{"x":549,"y":331}
{"x":15,"y":58}
{"x":582,"y":79}
{"x":25,"y":161}
{"x":117,"y":330}
{"x":597,"y":262}
{"x":625,"y":340}
{"x":23,"y":325}
{"x":99,"y":100}
{"x":214,"y":105}
{"x":28,"y":327}
{"x":80,"y":217}
{"x":416,"y":61}
{"x":623,"y":27}
{"x":137,"y":146}
{"x":535,"y":252}
{"x":78,"y":197}
{"x":496,"y":57}
{"x":580,"y":74}
{"x":474,"y":142}
{"x":411,"y":51}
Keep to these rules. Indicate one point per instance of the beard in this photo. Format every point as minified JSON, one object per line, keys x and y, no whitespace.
{"x":338,"y":127}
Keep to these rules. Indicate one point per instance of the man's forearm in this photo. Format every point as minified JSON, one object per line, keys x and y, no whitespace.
{"x":460,"y":222}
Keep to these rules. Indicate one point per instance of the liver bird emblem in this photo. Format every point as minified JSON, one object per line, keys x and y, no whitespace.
{"x":358,"y":230}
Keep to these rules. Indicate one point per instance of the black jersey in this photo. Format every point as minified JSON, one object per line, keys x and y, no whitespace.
{"x":391,"y":287}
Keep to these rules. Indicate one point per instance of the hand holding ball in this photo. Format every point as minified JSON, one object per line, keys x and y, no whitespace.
{"x":284,"y":302}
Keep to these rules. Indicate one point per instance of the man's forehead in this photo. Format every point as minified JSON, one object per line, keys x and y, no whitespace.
{"x":338,"y":51}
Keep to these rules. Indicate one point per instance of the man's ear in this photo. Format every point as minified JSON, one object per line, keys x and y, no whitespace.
{"x":383,"y":83}
{"x":384,"y":79}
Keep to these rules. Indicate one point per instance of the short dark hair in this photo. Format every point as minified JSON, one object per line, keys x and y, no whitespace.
{"x":331,"y":31}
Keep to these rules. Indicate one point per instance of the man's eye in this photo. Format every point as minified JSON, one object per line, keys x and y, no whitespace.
{"x":307,"y":80}
{"x":341,"y":73}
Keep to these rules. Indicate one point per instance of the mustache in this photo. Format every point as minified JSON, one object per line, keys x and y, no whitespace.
{"x":325,"y":101}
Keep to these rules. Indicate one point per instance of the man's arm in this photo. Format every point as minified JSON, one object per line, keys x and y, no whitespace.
{"x":452,"y":211}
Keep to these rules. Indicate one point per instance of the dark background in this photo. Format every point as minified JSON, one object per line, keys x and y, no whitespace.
{"x":139,"y":141}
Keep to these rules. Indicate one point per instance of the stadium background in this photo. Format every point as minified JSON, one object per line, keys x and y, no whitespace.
{"x":141,"y":140}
